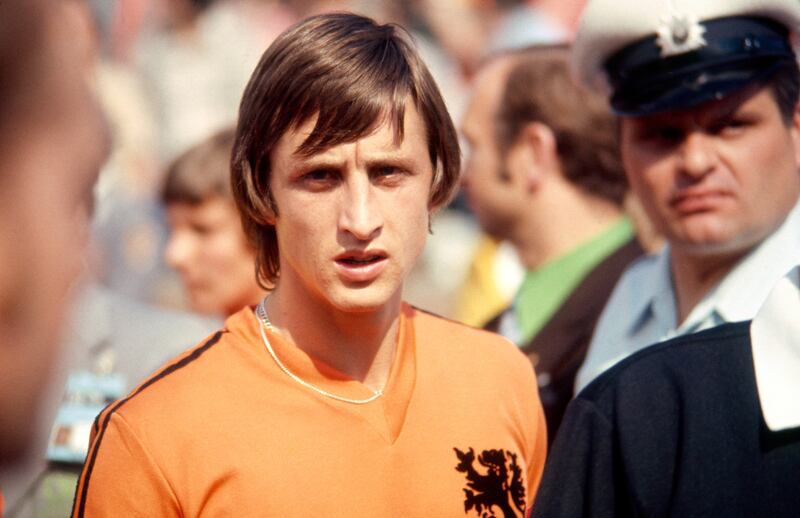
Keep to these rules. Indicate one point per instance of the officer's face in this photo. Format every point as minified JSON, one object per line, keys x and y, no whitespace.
{"x":716,"y":179}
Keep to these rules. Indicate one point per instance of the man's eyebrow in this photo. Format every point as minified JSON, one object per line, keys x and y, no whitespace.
{"x":305,"y":163}
{"x":403,"y":162}
{"x":727,"y":111}
{"x":390,"y":157}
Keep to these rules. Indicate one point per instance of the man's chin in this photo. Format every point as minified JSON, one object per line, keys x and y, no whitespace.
{"x":710,"y":245}
{"x":367,"y":299}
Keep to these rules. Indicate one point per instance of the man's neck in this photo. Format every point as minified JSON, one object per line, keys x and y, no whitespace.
{"x":559,"y":225}
{"x":694,"y":276}
{"x":360,"y":345}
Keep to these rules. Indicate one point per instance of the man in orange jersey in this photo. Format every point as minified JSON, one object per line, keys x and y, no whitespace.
{"x":332,"y":397}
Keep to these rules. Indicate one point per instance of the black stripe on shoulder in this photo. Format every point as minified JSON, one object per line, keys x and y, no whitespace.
{"x":107,"y":417}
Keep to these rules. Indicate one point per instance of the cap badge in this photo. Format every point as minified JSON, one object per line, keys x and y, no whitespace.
{"x":680,"y":33}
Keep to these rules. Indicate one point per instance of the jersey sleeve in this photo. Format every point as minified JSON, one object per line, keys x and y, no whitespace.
{"x":120,"y":477}
{"x":531,"y":421}
{"x":580,"y":476}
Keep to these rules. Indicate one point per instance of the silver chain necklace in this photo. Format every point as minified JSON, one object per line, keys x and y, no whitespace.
{"x":261,"y":313}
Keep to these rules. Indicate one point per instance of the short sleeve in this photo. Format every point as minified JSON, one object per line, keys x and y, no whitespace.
{"x":120,"y":478}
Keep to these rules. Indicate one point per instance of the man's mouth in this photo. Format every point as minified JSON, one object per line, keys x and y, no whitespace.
{"x":356,"y":261}
{"x":361,"y":266}
{"x":697,"y":201}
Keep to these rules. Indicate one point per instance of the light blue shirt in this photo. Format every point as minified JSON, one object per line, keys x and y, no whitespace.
{"x":642,"y":308}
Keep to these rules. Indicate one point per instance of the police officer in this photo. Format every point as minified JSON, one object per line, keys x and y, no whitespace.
{"x":706,"y":424}
{"x":706,"y":95}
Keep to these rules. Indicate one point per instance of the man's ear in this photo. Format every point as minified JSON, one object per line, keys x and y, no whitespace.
{"x":534,"y":153}
{"x":795,"y":131}
{"x":268,"y":212}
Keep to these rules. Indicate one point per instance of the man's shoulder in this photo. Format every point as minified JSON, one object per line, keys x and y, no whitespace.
{"x":181,"y":372}
{"x":192,"y":380}
{"x":457,"y":342}
{"x":436,"y":327}
{"x":671,"y":366}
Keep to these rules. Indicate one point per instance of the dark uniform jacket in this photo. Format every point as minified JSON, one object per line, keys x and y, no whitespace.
{"x":674,"y":430}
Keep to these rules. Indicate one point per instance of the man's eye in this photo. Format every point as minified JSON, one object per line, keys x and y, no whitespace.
{"x":667,"y":134}
{"x":387,"y":170}
{"x":388,"y":174}
{"x":659,"y":136}
{"x":319,"y":175}
{"x":732,"y":126}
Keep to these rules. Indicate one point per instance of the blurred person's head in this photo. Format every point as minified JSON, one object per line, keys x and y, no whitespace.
{"x":707,"y":98}
{"x":343,"y":79}
{"x":53,"y":142}
{"x":207,"y":245}
{"x":538,"y":143}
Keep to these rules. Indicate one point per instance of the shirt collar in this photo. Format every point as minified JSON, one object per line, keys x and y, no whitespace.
{"x":659,"y":302}
{"x":725,"y":302}
{"x":775,"y":338}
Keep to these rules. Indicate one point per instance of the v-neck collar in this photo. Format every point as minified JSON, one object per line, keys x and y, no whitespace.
{"x":385,"y":414}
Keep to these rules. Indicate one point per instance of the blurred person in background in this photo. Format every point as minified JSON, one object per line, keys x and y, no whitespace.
{"x":707,"y":423}
{"x":110,"y":341}
{"x":493,"y":271}
{"x":207,"y":245}
{"x":53,"y":141}
{"x":544,"y":173}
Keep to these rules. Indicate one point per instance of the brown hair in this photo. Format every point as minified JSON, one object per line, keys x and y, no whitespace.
{"x":540,"y":89}
{"x":352,"y":74}
{"x":784,"y":84}
{"x":201,"y":172}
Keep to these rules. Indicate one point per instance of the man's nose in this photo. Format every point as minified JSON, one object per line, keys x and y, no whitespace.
{"x":361,"y":213}
{"x":698,"y":156}
{"x":177,"y":250}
